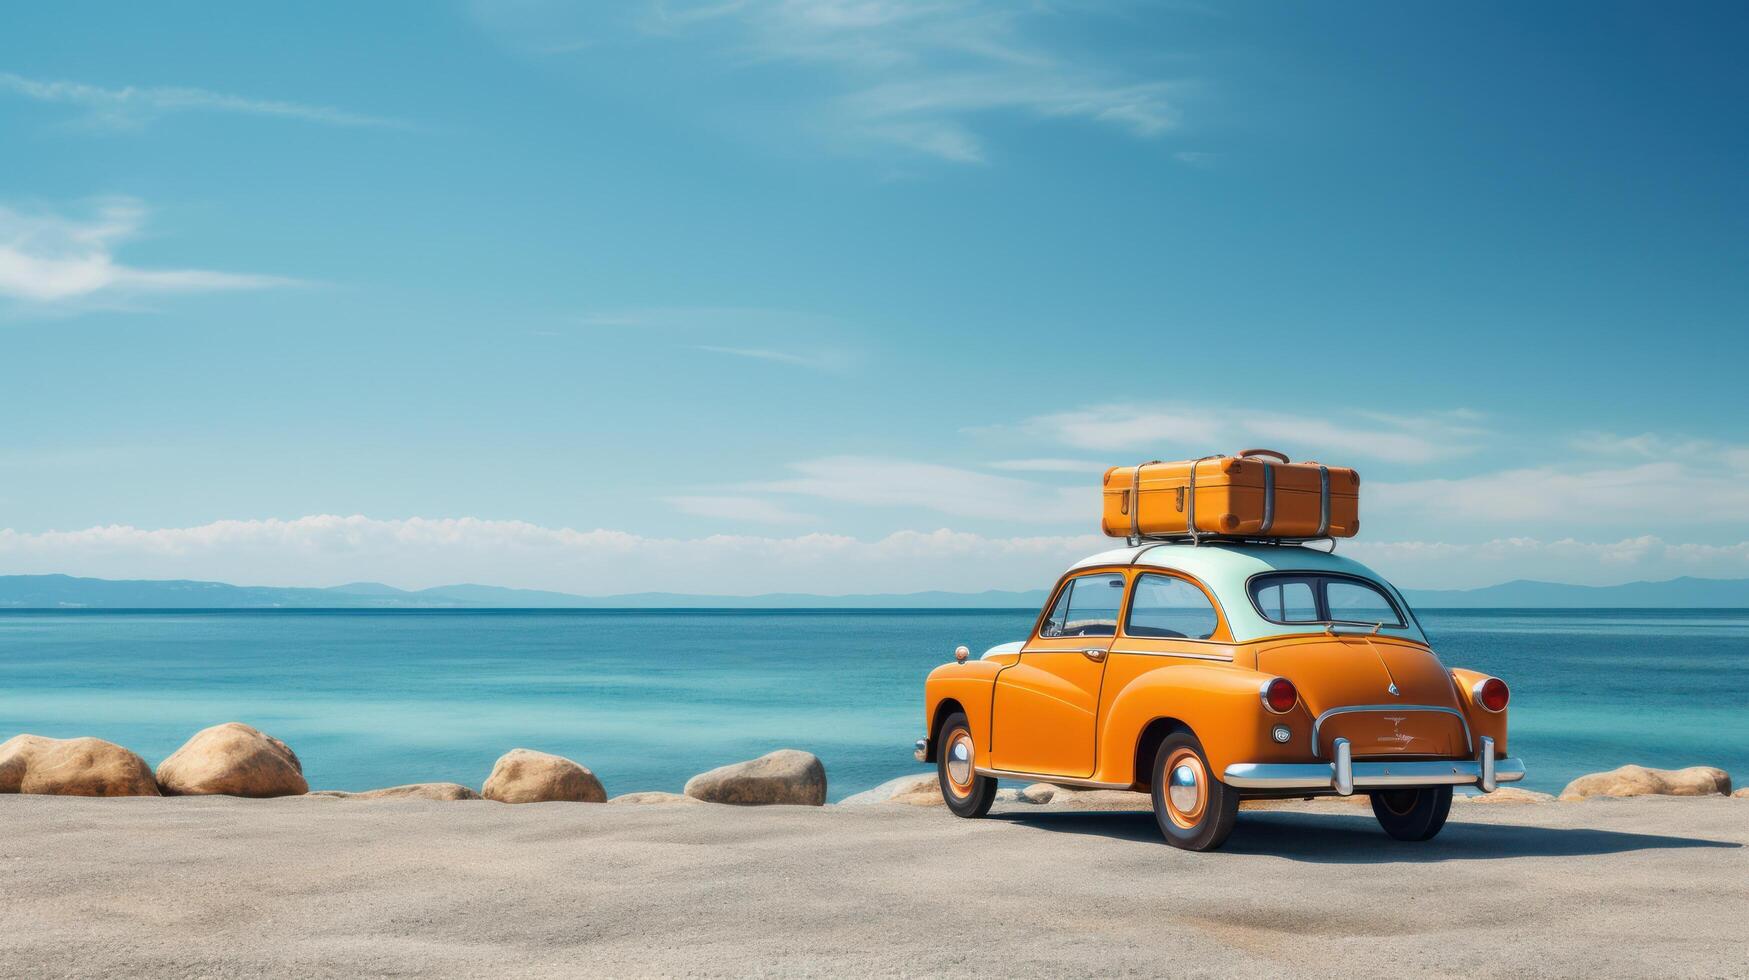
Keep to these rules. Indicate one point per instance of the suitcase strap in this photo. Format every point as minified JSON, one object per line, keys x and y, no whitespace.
{"x":1190,"y":505}
{"x":1323,"y":501}
{"x":1268,"y":498}
{"x":1134,"y":504}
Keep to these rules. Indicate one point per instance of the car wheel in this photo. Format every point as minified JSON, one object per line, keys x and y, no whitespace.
{"x":1195,"y":811}
{"x":967,"y":793}
{"x":1412,"y":814}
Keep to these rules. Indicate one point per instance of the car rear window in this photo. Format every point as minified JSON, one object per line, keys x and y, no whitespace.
{"x":1292,"y":598}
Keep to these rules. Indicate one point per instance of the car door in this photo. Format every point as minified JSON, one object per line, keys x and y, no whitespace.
{"x":1046,"y":706}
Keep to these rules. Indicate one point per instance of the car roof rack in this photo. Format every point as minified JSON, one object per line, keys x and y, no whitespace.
{"x":1202,"y":538}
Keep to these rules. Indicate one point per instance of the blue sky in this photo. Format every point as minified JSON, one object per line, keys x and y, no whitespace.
{"x":861,"y":296}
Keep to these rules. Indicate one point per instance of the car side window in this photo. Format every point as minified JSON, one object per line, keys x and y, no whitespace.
{"x":1170,"y":608}
{"x":1088,"y":606}
{"x":1059,"y":613}
{"x":1287,"y":600}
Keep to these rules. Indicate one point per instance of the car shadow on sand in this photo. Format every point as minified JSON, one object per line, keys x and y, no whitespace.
{"x":1344,"y":839}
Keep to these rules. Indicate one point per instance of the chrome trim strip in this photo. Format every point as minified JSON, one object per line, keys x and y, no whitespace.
{"x":1368,"y":775}
{"x":1053,"y":780}
{"x":1167,"y":653}
{"x":1352,"y":708}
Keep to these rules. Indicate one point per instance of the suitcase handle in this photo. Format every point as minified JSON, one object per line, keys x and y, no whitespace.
{"x":1265,"y":452}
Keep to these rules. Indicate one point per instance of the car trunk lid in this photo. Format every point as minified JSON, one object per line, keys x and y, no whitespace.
{"x":1386,"y":696}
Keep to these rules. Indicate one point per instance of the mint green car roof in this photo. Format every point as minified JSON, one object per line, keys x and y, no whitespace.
{"x":1225,"y":568}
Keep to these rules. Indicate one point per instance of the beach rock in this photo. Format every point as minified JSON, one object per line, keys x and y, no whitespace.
{"x":1505,"y":795}
{"x":445,"y":792}
{"x":232,"y":759}
{"x":915,"y":790}
{"x":15,"y":755}
{"x":72,"y":767}
{"x":1640,"y":781}
{"x":1038,"y":793}
{"x":787,"y":776}
{"x":527,"y":776}
{"x":654,"y":798}
{"x":1742,"y":794}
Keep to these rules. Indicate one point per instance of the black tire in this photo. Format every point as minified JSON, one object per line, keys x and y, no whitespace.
{"x":967,"y":793}
{"x":1195,"y":823}
{"x":1412,"y":814}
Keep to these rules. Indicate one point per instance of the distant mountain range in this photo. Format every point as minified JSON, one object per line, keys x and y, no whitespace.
{"x":1676,"y":593}
{"x":68,"y":592}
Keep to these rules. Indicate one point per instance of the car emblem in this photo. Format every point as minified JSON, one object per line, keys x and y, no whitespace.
{"x":1402,"y":738}
{"x":1394,"y":692}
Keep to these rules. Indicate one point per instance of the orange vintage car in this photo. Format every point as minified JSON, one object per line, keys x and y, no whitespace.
{"x":1213,"y":672}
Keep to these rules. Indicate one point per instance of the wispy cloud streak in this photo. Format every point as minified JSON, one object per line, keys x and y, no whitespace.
{"x":822,"y":362}
{"x":49,"y":261}
{"x":132,"y":106}
{"x":1166,"y":428}
{"x":921,"y":76}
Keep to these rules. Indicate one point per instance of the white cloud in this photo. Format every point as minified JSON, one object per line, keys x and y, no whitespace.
{"x":49,"y":261}
{"x":876,"y":482}
{"x":323,"y":550}
{"x":1652,"y":445}
{"x":420,"y":552}
{"x":751,"y":509}
{"x":1447,"y":565}
{"x":917,"y":75}
{"x":1163,"y":429}
{"x":1708,"y":490}
{"x":131,"y":107}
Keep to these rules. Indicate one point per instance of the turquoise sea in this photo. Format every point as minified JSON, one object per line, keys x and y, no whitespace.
{"x":647,"y":698}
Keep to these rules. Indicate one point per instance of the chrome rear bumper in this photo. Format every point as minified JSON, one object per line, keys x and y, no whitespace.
{"x":920,"y":751}
{"x":1344,"y":775}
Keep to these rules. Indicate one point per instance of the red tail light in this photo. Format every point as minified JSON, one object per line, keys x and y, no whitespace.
{"x":1492,"y":694}
{"x":1280,"y":696}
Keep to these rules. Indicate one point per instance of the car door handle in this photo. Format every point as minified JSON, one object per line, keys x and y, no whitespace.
{"x":1094,"y":654}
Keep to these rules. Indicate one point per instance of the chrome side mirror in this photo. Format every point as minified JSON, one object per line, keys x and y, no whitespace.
{"x":960,"y":654}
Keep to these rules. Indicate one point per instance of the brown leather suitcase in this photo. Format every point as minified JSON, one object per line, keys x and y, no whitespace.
{"x":1257,"y":494}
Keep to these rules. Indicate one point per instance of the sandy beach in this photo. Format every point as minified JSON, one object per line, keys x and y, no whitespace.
{"x":323,"y":887}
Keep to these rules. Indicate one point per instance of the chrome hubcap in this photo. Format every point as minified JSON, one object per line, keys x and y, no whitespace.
{"x":959,"y":761}
{"x":1182,"y":790}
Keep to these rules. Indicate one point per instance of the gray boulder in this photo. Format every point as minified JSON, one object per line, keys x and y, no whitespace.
{"x":527,"y":776}
{"x":787,"y":776}
{"x":1640,"y":781}
{"x":914,"y":790}
{"x":232,"y":759}
{"x":72,"y":767}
